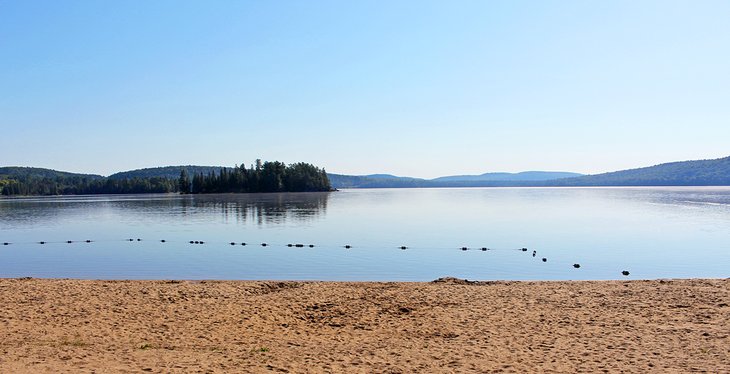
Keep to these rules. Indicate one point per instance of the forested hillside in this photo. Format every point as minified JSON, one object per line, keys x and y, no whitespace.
{"x":263,"y":177}
{"x":28,"y":172}
{"x":170,"y":172}
{"x":685,"y":173}
{"x":26,"y":181}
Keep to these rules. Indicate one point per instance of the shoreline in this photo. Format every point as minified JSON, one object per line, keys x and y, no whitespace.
{"x":68,"y":325}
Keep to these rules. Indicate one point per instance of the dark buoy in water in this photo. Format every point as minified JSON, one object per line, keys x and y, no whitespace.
{"x":464,"y":248}
{"x":485,"y":249}
{"x":130,"y":240}
{"x":264,"y":244}
{"x":577,"y":266}
{"x":625,"y":273}
{"x":41,"y":242}
{"x":197,"y":242}
{"x":6,"y":243}
{"x":69,"y":241}
{"x":243,"y":243}
{"x":299,"y":245}
{"x":523,"y":249}
{"x":191,"y":242}
{"x":290,"y":245}
{"x":534,"y":253}
{"x":162,"y":241}
{"x":403,"y":247}
{"x":139,"y":240}
{"x":544,"y":259}
{"x":347,"y":246}
{"x":89,"y":241}
{"x":233,"y":243}
{"x":202,"y":242}
{"x":311,"y":246}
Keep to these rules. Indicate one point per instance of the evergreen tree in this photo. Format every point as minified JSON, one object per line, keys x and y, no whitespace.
{"x":184,"y":182}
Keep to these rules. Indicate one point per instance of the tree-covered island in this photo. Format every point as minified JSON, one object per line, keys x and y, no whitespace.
{"x":262,"y":177}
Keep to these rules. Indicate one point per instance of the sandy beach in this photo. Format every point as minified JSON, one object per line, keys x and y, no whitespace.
{"x":452,"y":326}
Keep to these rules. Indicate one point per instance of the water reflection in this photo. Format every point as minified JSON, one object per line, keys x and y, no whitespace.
{"x":261,"y":209}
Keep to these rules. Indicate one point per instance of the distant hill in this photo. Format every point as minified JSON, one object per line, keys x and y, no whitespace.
{"x":389,"y":176}
{"x":26,"y":181}
{"x":523,"y":176}
{"x":375,"y":181}
{"x":683,"y":173}
{"x":19,"y":172}
{"x":527,"y":178}
{"x":171,"y":172}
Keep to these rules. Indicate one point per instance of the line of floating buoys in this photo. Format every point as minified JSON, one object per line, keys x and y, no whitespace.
{"x":299,"y":245}
{"x":484,"y":249}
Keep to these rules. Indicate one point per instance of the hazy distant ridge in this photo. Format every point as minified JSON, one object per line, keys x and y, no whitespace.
{"x":522,"y":176}
{"x":683,"y":173}
{"x":527,"y":178}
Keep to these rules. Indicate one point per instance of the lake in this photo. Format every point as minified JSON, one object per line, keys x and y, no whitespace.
{"x":671,"y":232}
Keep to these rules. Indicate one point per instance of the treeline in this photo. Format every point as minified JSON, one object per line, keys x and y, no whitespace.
{"x":270,"y":176}
{"x":261,"y":177}
{"x":85,"y":186}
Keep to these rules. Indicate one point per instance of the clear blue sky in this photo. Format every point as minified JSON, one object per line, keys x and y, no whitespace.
{"x":417,"y":88}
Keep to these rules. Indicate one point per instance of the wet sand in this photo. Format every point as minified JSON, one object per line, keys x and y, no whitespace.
{"x":239,"y":326}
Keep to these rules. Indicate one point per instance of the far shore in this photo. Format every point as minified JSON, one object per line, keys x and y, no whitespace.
{"x":61,"y":325}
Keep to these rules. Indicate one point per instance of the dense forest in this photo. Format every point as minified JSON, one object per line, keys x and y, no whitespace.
{"x":261,"y":177}
{"x":84,"y":186}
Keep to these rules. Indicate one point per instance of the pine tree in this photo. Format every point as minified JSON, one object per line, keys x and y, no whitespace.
{"x":184,"y":182}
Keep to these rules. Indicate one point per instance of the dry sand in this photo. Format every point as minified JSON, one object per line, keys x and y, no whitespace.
{"x":171,"y":326}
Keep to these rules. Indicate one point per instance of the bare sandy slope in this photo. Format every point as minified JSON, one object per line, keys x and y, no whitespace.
{"x":158,"y":326}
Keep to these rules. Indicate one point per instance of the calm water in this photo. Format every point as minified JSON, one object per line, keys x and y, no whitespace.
{"x":652,"y":232}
